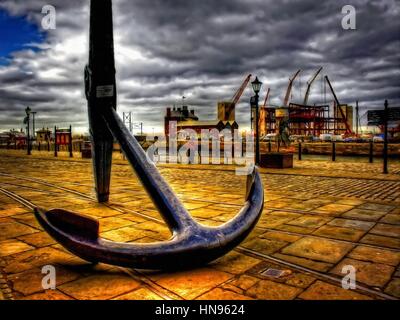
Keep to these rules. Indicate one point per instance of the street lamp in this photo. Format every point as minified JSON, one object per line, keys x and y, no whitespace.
{"x":28,"y":138}
{"x":256,"y":84}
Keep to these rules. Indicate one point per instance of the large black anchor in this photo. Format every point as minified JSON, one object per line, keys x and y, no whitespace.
{"x":191,"y":243}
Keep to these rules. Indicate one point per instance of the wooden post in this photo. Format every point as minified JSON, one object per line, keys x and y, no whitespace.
{"x":70,"y":142}
{"x":299,"y":157}
{"x":55,"y":142}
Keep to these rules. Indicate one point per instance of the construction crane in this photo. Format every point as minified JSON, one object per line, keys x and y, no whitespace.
{"x":238,"y":94}
{"x":266,"y":99}
{"x":289,"y":89}
{"x":226,"y":109}
{"x":263,"y":113}
{"x":348,"y":129}
{"x":309,"y":83}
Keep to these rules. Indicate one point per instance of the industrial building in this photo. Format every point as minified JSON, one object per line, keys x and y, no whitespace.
{"x":186,"y":119}
{"x":43,"y":135}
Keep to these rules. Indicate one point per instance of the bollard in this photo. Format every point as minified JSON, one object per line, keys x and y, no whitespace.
{"x":333,"y":151}
{"x":269,"y":146}
{"x":299,"y":151}
{"x":39,"y":146}
{"x":385,"y":143}
{"x":371,"y":152}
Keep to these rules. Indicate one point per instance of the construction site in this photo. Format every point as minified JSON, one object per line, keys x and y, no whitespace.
{"x":309,"y":120}
{"x":332,"y":116}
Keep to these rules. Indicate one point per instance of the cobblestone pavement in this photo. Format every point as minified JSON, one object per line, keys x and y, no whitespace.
{"x":318,"y":218}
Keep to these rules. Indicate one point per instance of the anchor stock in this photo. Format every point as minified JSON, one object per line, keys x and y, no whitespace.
{"x":191,"y":243}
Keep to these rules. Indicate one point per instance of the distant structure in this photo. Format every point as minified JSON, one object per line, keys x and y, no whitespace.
{"x":186,"y":119}
{"x":226,"y":111}
{"x":13,"y":138}
{"x":43,"y":135}
{"x":178,"y":115}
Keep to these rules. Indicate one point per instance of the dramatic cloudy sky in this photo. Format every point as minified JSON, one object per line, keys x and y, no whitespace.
{"x":200,"y":49}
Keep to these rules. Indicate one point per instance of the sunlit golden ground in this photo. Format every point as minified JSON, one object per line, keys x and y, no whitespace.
{"x":318,"y":217}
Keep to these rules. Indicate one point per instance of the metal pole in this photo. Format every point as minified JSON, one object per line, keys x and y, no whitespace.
{"x":28,"y":137}
{"x":33,"y":124}
{"x":357,"y":118}
{"x":257,"y":161}
{"x":333,"y":151}
{"x":371,"y":152}
{"x":251,"y":117}
{"x":385,"y":145}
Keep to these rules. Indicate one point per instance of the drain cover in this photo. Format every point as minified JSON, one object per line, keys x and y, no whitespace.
{"x":275,"y":273}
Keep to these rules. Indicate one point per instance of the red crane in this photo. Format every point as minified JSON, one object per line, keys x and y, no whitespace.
{"x":309,"y":83}
{"x":266,"y":99}
{"x":348,"y":129}
{"x":238,"y":94}
{"x":289,"y":89}
{"x":263,"y":114}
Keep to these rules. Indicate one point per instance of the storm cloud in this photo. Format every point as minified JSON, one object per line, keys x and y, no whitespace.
{"x":203,"y":50}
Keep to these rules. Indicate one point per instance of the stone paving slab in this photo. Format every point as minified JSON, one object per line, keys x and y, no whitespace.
{"x":314,"y":222}
{"x":372,"y":274}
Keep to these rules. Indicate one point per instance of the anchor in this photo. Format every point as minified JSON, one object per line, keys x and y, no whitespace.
{"x":191,"y":243}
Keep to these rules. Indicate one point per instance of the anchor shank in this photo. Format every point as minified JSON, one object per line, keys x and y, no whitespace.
{"x":101,"y":92}
{"x":170,"y":207}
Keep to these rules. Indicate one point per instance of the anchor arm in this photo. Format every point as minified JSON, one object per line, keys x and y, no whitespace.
{"x":170,"y":207}
{"x":193,"y":246}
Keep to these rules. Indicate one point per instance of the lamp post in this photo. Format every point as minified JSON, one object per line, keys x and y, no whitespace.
{"x":256,"y":84}
{"x":28,"y":138}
